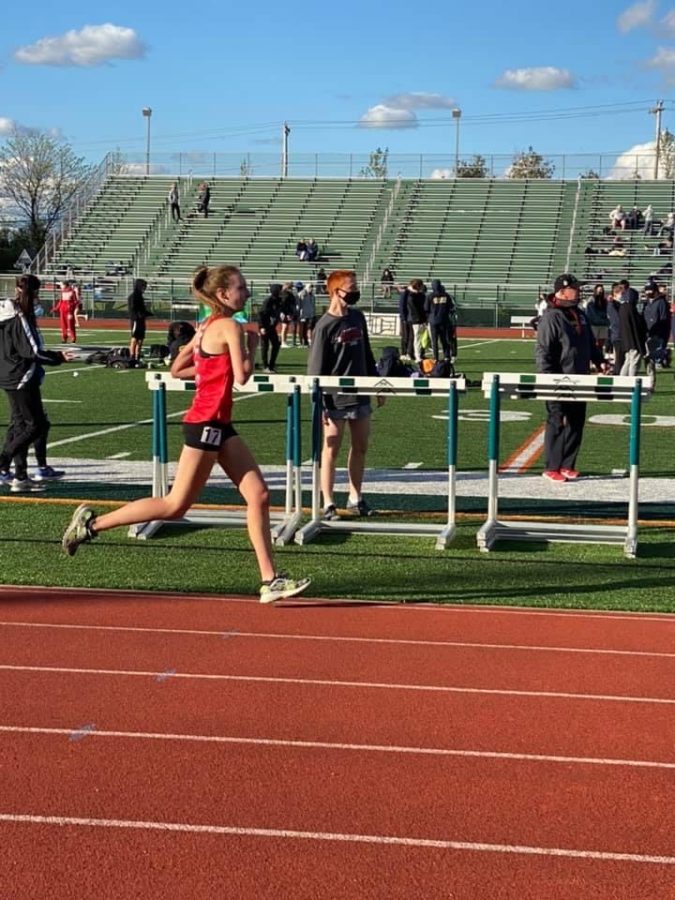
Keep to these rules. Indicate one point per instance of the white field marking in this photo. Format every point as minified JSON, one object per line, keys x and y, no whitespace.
{"x":358,"y":748}
{"x":531,"y":450}
{"x":414,"y":465}
{"x":307,"y":462}
{"x":121,"y":455}
{"x":341,"y":639}
{"x":479,"y":344}
{"x":325,"y":682}
{"x":47,"y":400}
{"x":70,"y":371}
{"x":91,"y":434}
{"x":233,"y":831}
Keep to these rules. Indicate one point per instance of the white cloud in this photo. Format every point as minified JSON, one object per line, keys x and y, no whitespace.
{"x":7,"y":126}
{"x":140,"y":169}
{"x":419,"y":100}
{"x":639,"y":158}
{"x":664,"y":61}
{"x":636,"y":16}
{"x":538,"y":78}
{"x":93,"y":45}
{"x":382,"y":116}
{"x":442,"y":174}
{"x":667,"y":24}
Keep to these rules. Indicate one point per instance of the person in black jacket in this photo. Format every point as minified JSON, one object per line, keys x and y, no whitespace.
{"x":632,"y":331}
{"x":138,"y":313}
{"x":656,"y":314}
{"x":565,"y":345}
{"x":416,"y":298}
{"x":440,"y":308}
{"x":268,"y":319}
{"x":22,"y":357}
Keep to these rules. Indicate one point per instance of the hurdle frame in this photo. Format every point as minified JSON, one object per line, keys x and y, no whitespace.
{"x":284,"y":524}
{"x":405,"y":387}
{"x":569,"y":388}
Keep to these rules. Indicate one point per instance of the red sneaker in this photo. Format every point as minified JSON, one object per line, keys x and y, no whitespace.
{"x":554,"y":476}
{"x":570,"y":474}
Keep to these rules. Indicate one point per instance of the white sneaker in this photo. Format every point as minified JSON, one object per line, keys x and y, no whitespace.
{"x":25,"y":486}
{"x":282,"y":586}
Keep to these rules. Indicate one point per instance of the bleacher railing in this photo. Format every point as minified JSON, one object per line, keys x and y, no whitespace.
{"x":609,"y":164}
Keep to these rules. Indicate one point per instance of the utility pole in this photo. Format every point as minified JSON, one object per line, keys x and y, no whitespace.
{"x":657,"y":111}
{"x":285,"y":131}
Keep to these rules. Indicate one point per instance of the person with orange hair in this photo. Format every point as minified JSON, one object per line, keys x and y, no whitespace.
{"x":219,"y":354}
{"x":340,"y":346}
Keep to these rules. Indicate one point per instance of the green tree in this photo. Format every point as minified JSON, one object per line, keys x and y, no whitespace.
{"x":667,"y":155}
{"x":472,"y":168}
{"x":530,"y":164}
{"x":590,"y":175}
{"x":12,"y":242}
{"x":39,"y":176}
{"x":377,"y":164}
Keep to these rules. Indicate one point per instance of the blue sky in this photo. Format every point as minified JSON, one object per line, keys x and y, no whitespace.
{"x":221,"y":77}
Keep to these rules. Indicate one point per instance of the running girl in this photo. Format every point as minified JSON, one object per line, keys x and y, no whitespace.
{"x":219,"y":354}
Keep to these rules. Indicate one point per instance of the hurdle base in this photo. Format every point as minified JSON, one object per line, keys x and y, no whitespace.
{"x":284,"y":532}
{"x":222,"y":518}
{"x":353,"y":525}
{"x":493,"y":531}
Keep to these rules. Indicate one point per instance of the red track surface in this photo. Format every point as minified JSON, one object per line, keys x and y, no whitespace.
{"x":208,"y":748}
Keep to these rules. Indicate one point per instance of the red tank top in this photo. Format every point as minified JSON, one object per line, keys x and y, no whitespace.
{"x":214,"y":380}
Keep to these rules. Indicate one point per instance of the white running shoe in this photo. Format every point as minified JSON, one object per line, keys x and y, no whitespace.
{"x":282,"y":586}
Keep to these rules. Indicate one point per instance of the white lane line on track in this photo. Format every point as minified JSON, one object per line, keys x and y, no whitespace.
{"x":340,"y":639}
{"x":360,"y":685}
{"x":125,"y":427}
{"x":122,"y":455}
{"x":234,"y":831}
{"x":359,"y":748}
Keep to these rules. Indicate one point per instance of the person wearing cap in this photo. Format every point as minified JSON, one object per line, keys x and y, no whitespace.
{"x":565,"y":346}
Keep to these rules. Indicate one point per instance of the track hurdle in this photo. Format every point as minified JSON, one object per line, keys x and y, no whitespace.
{"x":570,"y":388}
{"x":284,"y":524}
{"x":398,"y":387}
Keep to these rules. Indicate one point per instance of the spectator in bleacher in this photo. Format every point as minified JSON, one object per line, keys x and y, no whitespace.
{"x":648,"y":216}
{"x":596,"y":313}
{"x":440,"y":309}
{"x":138,"y":313}
{"x":417,"y":315}
{"x":618,"y":217}
{"x":289,"y":314}
{"x":321,"y":282}
{"x":617,"y":249}
{"x":386,"y":280}
{"x":204,"y":199}
{"x":312,"y":250}
{"x":632,"y":331}
{"x":657,"y":322}
{"x":268,"y":319}
{"x":307,"y":305}
{"x":565,"y":346}
{"x":634,"y":219}
{"x":666,"y":229}
{"x":301,"y":250}
{"x":174,"y":202}
{"x":663,"y":248}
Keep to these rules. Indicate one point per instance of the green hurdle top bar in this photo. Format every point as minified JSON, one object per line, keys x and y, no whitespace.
{"x":528,"y":386}
{"x":262,"y":384}
{"x":257,"y":384}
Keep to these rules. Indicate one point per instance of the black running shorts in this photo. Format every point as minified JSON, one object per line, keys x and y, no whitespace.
{"x":207,"y":435}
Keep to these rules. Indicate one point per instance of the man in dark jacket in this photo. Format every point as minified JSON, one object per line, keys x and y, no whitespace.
{"x":565,"y":346}
{"x":657,"y":321}
{"x":632,"y":331}
{"x":417,"y":316}
{"x":138,"y":313}
{"x":268,"y":319}
{"x":613,"y":306}
{"x":440,"y":310}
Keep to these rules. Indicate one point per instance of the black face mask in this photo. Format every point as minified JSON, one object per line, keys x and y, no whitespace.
{"x":352,"y":297}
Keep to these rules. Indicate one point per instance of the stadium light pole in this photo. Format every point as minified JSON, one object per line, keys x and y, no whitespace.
{"x":147,"y":114}
{"x":457,"y":115}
